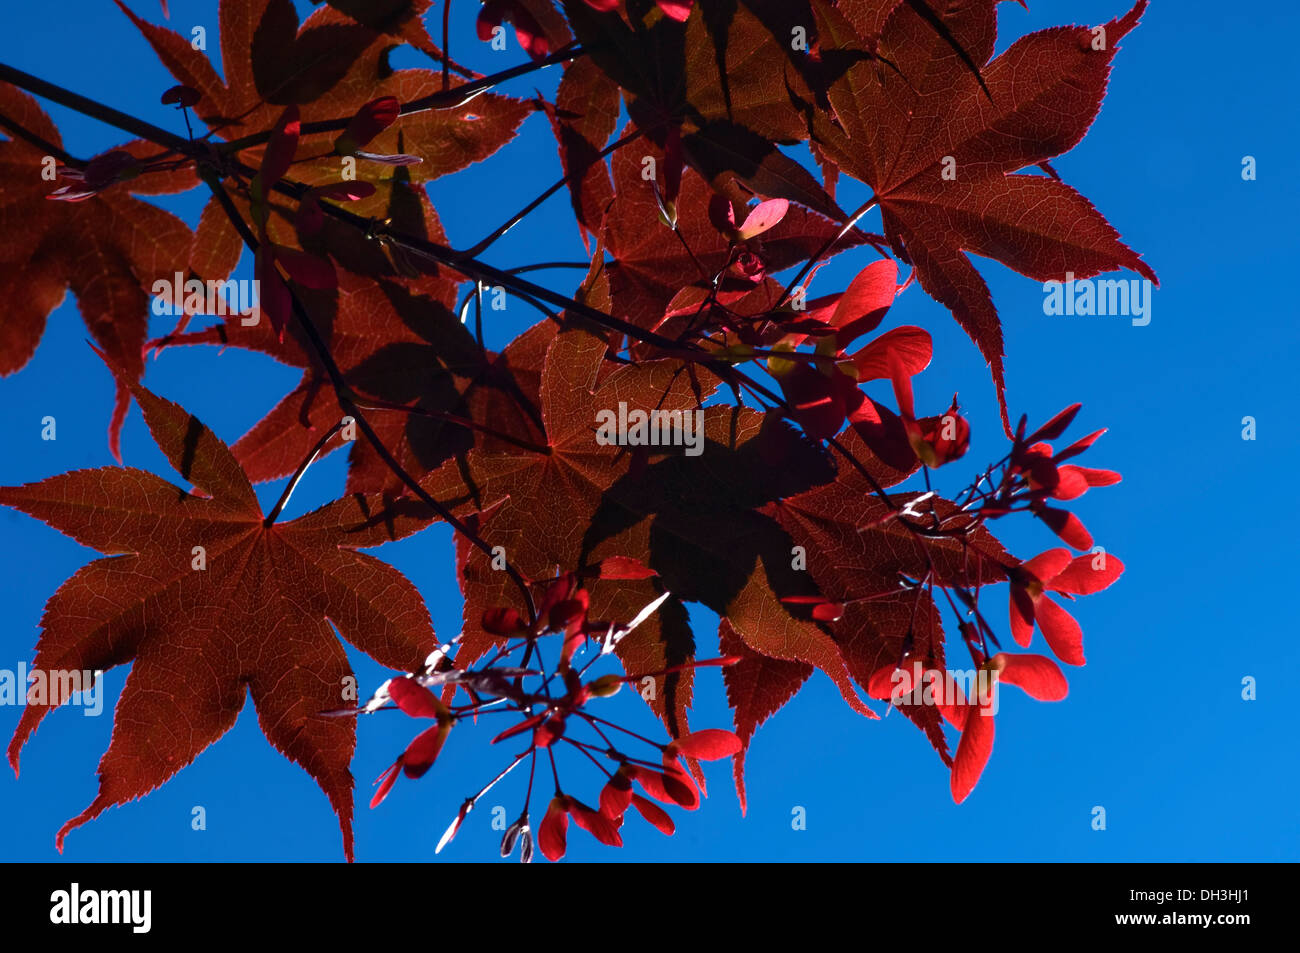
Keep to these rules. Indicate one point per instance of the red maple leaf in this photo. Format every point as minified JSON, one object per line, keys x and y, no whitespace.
{"x":209,"y":602}
{"x":943,"y":146}
{"x":547,"y":497}
{"x":108,"y":249}
{"x":331,"y":66}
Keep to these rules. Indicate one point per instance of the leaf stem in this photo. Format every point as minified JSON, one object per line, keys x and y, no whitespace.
{"x":446,"y":45}
{"x":297,"y":475}
{"x":485,"y":243}
{"x":541,"y":266}
{"x":830,"y":243}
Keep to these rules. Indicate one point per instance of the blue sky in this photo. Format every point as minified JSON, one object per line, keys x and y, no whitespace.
{"x":1155,"y":730}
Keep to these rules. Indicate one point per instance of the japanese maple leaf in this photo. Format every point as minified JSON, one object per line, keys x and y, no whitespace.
{"x":698,"y":522}
{"x":709,"y":529}
{"x":108,"y":249}
{"x":652,"y":266}
{"x":208,"y":601}
{"x":269,"y":59}
{"x":942,"y":151}
{"x":330,"y":66}
{"x":537,"y":504}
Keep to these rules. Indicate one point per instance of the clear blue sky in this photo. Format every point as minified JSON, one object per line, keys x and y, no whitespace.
{"x":1155,"y":729}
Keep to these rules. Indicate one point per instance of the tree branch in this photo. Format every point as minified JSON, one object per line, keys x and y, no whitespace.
{"x":452,"y":98}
